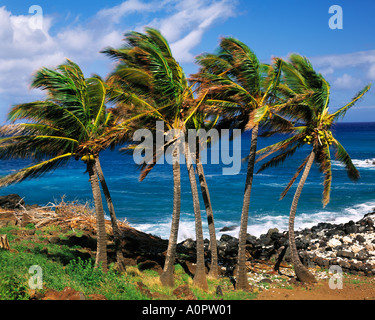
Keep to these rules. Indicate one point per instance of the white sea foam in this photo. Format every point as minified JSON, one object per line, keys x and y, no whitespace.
{"x":260,"y":224}
{"x":359,"y":163}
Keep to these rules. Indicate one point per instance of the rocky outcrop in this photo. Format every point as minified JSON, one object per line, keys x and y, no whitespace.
{"x":8,"y":218}
{"x":349,"y":245}
{"x":11,"y":202}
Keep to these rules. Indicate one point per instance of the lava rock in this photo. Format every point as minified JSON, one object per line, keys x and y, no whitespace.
{"x":11,"y":202}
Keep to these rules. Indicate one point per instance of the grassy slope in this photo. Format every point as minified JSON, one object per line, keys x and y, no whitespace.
{"x":71,"y":266}
{"x":61,"y":268}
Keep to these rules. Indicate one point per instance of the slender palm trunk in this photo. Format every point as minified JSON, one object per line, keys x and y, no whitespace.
{"x":200,"y":278}
{"x":101,"y":252}
{"x":214,"y":268}
{"x":167,"y":278}
{"x":242,"y":282}
{"x":302,"y":273}
{"x":111,"y":209}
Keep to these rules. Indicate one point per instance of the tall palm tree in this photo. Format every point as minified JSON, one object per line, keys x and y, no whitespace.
{"x":148,"y":68}
{"x":201,"y":121}
{"x":61,"y":127}
{"x":243,"y":92}
{"x":313,"y":123}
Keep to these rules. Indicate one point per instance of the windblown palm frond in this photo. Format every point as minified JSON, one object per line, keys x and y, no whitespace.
{"x":73,"y":114}
{"x":36,"y":170}
{"x":312,"y":122}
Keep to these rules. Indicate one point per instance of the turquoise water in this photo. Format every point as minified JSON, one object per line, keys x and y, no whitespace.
{"x":148,"y":205}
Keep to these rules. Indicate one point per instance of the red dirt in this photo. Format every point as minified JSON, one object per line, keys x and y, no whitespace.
{"x":354,"y":288}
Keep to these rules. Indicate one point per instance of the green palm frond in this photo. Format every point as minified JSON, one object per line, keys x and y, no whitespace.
{"x":294,"y":178}
{"x":36,"y":170}
{"x":280,"y":158}
{"x":342,"y":111}
{"x":49,"y":113}
{"x":278,"y":146}
{"x":342,"y":156}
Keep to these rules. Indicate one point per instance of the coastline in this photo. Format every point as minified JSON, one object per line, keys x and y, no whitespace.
{"x":347,"y":246}
{"x":351,"y":245}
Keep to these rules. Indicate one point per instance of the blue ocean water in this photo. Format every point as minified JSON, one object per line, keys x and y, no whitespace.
{"x":148,"y":205}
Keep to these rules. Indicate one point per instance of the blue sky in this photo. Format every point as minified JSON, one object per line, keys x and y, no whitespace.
{"x":80,"y":29}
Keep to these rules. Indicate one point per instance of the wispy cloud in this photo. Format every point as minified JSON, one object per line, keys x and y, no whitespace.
{"x":346,"y":81}
{"x":116,"y":13}
{"x":362,"y":62}
{"x":24,"y":50}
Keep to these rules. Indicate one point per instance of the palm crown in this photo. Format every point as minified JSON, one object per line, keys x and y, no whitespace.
{"x":241,"y":89}
{"x":151,"y":80}
{"x":58,"y":127}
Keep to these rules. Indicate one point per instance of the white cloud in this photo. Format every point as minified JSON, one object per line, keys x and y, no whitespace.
{"x":125,"y":8}
{"x":24,"y":50}
{"x":364,"y":60}
{"x":190,"y":19}
{"x":346,"y":81}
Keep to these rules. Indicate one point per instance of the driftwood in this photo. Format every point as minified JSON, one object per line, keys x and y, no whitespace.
{"x":4,"y":243}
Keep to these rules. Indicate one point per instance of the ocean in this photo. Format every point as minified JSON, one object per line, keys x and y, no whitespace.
{"x":148,"y":205}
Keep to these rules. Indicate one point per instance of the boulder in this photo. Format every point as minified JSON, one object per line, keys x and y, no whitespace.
{"x":350,"y":227}
{"x":230,"y":228}
{"x":332,"y":243}
{"x":8,"y":219}
{"x":150,"y":265}
{"x":271,"y":231}
{"x":12,"y":202}
{"x":345,"y":254}
{"x":360,"y":239}
{"x":27,"y":219}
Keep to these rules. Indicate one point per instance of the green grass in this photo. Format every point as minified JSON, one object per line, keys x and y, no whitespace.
{"x":62,"y":268}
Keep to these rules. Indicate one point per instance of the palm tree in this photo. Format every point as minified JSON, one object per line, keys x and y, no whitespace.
{"x":148,"y":68}
{"x":200,"y":120}
{"x":61,"y":127}
{"x":243,"y":92}
{"x":313,"y":124}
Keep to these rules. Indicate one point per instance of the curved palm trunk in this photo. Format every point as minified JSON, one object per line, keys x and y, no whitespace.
{"x":167,"y":278}
{"x":200,"y":278}
{"x":101,"y":252}
{"x":214,"y":268}
{"x":302,"y":273}
{"x":111,"y":209}
{"x":242,"y":282}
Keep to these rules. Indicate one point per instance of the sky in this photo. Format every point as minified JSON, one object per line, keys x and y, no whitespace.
{"x":79,"y":30}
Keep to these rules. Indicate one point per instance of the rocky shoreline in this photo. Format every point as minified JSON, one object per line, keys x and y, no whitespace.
{"x":349,"y":245}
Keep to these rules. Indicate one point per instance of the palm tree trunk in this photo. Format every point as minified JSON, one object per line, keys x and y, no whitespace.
{"x":214,"y":268}
{"x":116,"y":232}
{"x":101,"y":252}
{"x":200,"y":279}
{"x":302,"y":273}
{"x":242,"y":282}
{"x":167,"y":277}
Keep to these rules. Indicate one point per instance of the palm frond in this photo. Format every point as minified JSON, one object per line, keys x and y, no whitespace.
{"x":342,"y":156}
{"x":280,"y":158}
{"x":36,"y":170}
{"x":291,"y":182}
{"x":342,"y":111}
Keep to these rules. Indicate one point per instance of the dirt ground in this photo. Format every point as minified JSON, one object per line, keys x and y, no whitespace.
{"x":353,"y":288}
